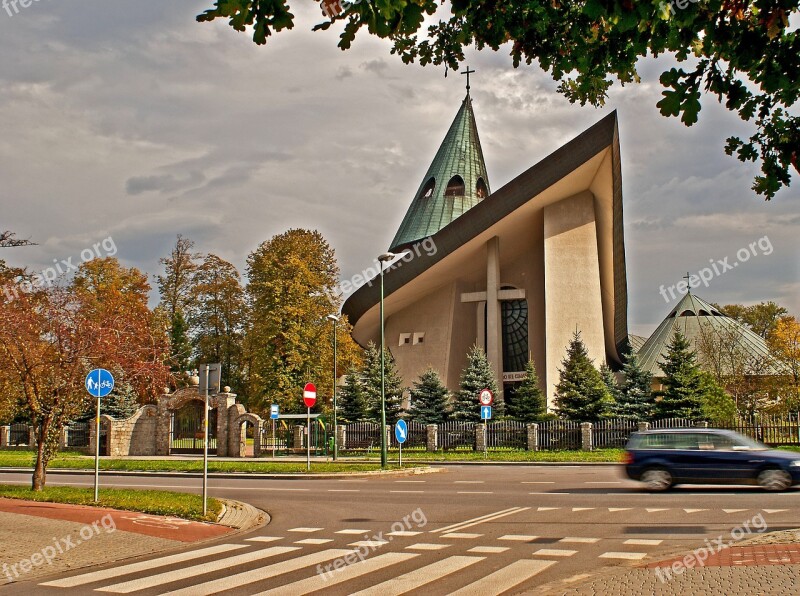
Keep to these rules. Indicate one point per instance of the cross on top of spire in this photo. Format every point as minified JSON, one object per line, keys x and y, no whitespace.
{"x":688,"y":277}
{"x":467,"y":72}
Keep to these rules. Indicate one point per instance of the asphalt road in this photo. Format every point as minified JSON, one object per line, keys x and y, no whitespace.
{"x":471,"y":529}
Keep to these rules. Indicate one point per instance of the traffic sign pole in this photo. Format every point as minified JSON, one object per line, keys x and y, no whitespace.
{"x":97,"y":452}
{"x":98,"y":389}
{"x":205,"y":446}
{"x":309,"y":398}
{"x":308,"y":439}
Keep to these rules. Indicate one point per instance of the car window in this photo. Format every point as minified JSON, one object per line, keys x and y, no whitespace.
{"x":716,"y":442}
{"x":667,"y":441}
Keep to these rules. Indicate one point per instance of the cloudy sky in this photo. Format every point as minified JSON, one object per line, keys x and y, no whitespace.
{"x":128,"y":119}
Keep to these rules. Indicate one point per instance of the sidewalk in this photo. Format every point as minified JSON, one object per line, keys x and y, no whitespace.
{"x":41,"y":539}
{"x":765,"y":565}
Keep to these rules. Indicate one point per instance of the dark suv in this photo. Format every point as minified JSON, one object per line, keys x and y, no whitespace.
{"x":661,"y":458}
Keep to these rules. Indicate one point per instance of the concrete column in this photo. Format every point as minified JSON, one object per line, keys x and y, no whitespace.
{"x":389,"y":431}
{"x":643,"y":426}
{"x":5,"y":431}
{"x":92,"y":439}
{"x":586,"y":436}
{"x":432,"y":437}
{"x":298,"y":436}
{"x":480,"y":437}
{"x":341,"y":436}
{"x":533,"y":436}
{"x":494,"y":326}
{"x":31,"y":436}
{"x":62,"y":440}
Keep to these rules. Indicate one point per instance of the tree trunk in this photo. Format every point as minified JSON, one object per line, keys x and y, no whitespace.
{"x":40,"y":471}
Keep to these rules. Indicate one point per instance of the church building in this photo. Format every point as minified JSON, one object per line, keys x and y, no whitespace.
{"x":515,"y":271}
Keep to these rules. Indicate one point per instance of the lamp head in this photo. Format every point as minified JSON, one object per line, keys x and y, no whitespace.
{"x":333,"y":317}
{"x":387,"y":256}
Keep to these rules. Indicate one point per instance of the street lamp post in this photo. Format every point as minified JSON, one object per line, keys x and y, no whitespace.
{"x":388,"y":256}
{"x":335,"y":320}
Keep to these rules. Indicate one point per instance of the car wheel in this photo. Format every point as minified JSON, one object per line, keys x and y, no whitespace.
{"x":774,"y":480}
{"x":657,"y":479}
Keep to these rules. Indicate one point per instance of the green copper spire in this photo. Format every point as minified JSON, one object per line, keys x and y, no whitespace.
{"x":455,"y":182}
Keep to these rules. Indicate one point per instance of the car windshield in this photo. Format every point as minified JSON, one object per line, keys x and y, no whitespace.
{"x":752,"y":444}
{"x":695,"y":440}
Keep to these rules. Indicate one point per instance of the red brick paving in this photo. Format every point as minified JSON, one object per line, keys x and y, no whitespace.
{"x":171,"y":528}
{"x":743,"y":556}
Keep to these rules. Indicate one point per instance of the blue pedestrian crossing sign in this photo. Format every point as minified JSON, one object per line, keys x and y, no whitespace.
{"x":274,"y":412}
{"x":486,"y":412}
{"x":99,"y":382}
{"x":401,"y":431}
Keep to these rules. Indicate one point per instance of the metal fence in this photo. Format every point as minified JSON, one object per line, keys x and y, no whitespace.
{"x":772,"y":430}
{"x":78,"y":434}
{"x":417,"y":437}
{"x":457,"y":435}
{"x":276,"y":437}
{"x":673,"y":423}
{"x":560,"y":434}
{"x":507,"y":434}
{"x":363,"y":435}
{"x":613,"y":433}
{"x":19,"y":434}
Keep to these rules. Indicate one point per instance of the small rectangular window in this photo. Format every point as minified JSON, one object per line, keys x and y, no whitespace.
{"x":419,"y":338}
{"x":405,"y":339}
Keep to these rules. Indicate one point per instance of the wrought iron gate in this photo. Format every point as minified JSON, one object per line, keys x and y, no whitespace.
{"x":186,"y":429}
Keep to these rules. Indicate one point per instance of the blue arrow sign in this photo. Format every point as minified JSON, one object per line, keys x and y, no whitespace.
{"x":401,"y":431}
{"x":486,"y":412}
{"x":274,"y":412}
{"x":99,"y":382}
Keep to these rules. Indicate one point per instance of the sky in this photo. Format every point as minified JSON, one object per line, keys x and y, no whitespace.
{"x":132,"y":122}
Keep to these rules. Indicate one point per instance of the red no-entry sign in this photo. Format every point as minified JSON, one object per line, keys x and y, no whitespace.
{"x":309,"y":395}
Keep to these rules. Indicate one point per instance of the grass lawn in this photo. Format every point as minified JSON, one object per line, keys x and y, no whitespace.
{"x":154,"y":502}
{"x":599,"y":455}
{"x":76,"y":461}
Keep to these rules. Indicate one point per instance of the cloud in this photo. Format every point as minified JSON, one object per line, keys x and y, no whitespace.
{"x":378,"y":67}
{"x":164,"y":183}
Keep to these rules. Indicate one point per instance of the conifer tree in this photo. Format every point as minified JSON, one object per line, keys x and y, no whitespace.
{"x":610,"y":381}
{"x":635,"y":400}
{"x":122,"y":403}
{"x":683,"y":390}
{"x":475,"y":377}
{"x":529,"y":404}
{"x":429,"y":399}
{"x":717,"y":406}
{"x":581,"y":393}
{"x":393,"y":385}
{"x":352,"y":398}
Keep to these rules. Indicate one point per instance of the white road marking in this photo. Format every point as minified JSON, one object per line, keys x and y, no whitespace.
{"x":419,"y":577}
{"x":548,"y":493}
{"x":427,"y":546}
{"x":654,"y":510}
{"x":582,"y":508}
{"x":343,"y":574}
{"x":734,"y":510}
{"x":774,"y":510}
{"x":474,"y":492}
{"x":518,"y":537}
{"x":464,"y":536}
{"x":643,"y":542}
{"x":488,"y":549}
{"x":167,"y":577}
{"x":261,"y":573}
{"x":479,"y":520}
{"x":579,"y":540}
{"x":694,"y":510}
{"x":263,"y":539}
{"x":615,"y":509}
{"x":96,"y":576}
{"x":547,"y":508}
{"x":504,"y":579}
{"x":355,"y":531}
{"x":369,"y":543}
{"x":314,"y":541}
{"x":403,"y":533}
{"x":306,"y":530}
{"x":626,"y":556}
{"x":555,"y":552}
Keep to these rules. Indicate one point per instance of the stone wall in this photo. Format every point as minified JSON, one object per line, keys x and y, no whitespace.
{"x":135,"y":435}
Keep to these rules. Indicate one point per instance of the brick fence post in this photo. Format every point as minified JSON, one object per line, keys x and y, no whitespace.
{"x":298,"y":436}
{"x":341,"y":437}
{"x":5,"y":431}
{"x":701,"y":424}
{"x":533,"y":436}
{"x":643,"y":426}
{"x":586,"y":436}
{"x":63,"y":439}
{"x":31,"y":436}
{"x":431,"y":437}
{"x":480,"y":437}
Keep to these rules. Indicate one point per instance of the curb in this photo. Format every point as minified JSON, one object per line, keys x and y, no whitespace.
{"x":241,"y":517}
{"x":233,"y":475}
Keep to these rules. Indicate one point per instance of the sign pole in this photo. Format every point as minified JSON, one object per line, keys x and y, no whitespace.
{"x":273,"y":438}
{"x":308,"y":439}
{"x":400,"y":457}
{"x":97,"y":450}
{"x":205,"y":444}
